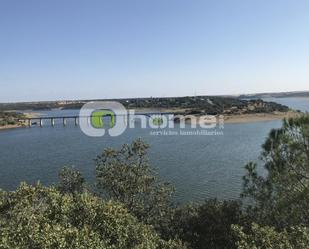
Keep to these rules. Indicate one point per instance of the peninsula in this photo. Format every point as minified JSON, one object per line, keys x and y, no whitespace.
{"x":236,"y":109}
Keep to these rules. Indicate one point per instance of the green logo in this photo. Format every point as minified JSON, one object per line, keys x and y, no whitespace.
{"x":157,"y":121}
{"x":97,"y":118}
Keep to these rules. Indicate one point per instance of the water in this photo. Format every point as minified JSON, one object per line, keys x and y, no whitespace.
{"x":301,"y":104}
{"x":199,"y":166}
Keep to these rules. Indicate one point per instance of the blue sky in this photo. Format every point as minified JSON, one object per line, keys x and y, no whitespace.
{"x":83,"y":49}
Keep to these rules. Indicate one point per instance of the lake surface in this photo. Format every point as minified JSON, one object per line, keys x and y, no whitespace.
{"x":200,"y":167}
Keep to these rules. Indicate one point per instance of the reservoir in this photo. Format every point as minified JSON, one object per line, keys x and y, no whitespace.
{"x":200,"y":167}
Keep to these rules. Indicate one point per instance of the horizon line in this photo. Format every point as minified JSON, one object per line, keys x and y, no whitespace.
{"x":162,"y":97}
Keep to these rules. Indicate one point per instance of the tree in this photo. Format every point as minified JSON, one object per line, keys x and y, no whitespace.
{"x":208,"y":225}
{"x":268,"y":238}
{"x":71,"y":181}
{"x":280,"y":197}
{"x":38,"y":217}
{"x":125,"y":175}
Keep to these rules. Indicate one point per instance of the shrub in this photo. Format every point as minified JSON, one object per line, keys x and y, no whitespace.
{"x":37,"y":217}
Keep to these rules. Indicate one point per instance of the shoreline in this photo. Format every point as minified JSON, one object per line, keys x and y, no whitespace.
{"x":231,"y":118}
{"x":259,"y":117}
{"x":248,"y":118}
{"x":228,"y":119}
{"x":9,"y":127}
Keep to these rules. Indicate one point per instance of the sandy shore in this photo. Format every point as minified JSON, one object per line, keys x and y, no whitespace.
{"x":259,"y":117}
{"x":31,"y":114}
{"x":233,"y":118}
{"x":5,"y":127}
{"x":247,"y":118}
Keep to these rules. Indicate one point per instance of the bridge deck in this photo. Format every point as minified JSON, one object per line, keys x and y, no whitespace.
{"x":77,"y":116}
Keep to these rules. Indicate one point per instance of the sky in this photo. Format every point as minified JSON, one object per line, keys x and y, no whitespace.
{"x":88,"y":49}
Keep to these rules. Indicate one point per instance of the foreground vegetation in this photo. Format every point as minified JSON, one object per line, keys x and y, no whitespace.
{"x":131,"y":208}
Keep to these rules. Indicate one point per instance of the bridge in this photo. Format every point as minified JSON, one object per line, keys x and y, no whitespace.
{"x":51,"y":119}
{"x":40,"y":120}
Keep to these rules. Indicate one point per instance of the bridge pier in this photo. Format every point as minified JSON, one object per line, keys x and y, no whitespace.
{"x":64,"y":121}
{"x":29,"y":122}
{"x":41,"y":122}
{"x":52,"y":120}
{"x":76,"y":121}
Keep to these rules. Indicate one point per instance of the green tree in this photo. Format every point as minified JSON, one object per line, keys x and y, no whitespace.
{"x":280,"y":195}
{"x":208,"y":225}
{"x":268,"y":238}
{"x":38,"y":217}
{"x":125,"y":175}
{"x":71,"y":181}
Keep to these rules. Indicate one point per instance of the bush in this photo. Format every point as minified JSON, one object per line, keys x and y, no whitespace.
{"x":37,"y":217}
{"x":268,"y":238}
{"x":208,"y":225}
{"x":280,"y":197}
{"x":125,"y":175}
{"x":71,"y":181}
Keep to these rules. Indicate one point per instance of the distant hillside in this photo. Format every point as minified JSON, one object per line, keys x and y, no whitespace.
{"x":191,"y":105}
{"x":303,"y":94}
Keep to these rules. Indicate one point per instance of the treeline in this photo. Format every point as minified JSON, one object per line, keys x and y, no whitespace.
{"x":22,"y":106}
{"x":195,"y":105}
{"x":130,"y":207}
